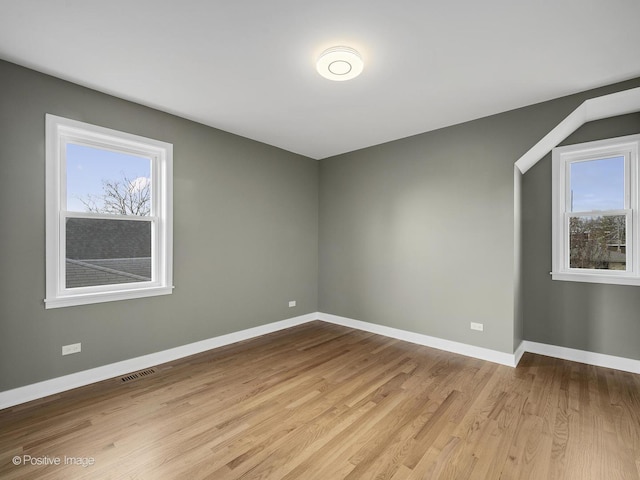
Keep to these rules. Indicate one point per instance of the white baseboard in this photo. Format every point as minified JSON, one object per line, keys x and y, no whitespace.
{"x":517,"y":355}
{"x":38,"y":390}
{"x":582,"y":356}
{"x":494,"y":356}
{"x":34,"y":391}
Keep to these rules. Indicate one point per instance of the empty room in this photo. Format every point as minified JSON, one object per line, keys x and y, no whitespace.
{"x":331,"y":240}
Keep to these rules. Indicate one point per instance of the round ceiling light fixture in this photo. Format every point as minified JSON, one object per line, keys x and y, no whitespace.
{"x":340,"y":64}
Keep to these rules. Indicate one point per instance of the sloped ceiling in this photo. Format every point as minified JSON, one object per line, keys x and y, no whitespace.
{"x":619,"y":103}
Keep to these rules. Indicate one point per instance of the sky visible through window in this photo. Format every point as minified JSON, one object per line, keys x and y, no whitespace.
{"x":87,"y":167}
{"x":597,"y":185}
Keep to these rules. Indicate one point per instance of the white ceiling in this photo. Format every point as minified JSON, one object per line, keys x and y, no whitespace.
{"x":248,"y":66}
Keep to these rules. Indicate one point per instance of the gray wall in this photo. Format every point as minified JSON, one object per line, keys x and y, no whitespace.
{"x":245,"y":236}
{"x":418,"y":234}
{"x":593,"y":317}
{"x":518,"y":288}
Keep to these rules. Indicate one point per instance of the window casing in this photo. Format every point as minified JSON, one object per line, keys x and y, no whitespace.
{"x":595,"y":212}
{"x":147,"y":269}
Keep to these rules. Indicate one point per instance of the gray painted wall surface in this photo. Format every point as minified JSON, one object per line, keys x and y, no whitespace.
{"x":592,"y":317}
{"x":418,"y":234}
{"x":518,"y":293}
{"x":245,"y":236}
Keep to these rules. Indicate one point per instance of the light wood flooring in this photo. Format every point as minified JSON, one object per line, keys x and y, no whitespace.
{"x":320,"y":401}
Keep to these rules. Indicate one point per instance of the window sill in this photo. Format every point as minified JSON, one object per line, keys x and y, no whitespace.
{"x":88,"y":298}
{"x":596,"y":278}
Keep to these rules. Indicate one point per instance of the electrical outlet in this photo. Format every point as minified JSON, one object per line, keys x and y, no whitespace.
{"x":477,"y":326}
{"x":69,"y":349}
{"x":292,"y":303}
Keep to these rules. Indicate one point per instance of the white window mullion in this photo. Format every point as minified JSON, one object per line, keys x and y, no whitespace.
{"x":630,"y":240}
{"x":566,"y":243}
{"x":62,"y":254}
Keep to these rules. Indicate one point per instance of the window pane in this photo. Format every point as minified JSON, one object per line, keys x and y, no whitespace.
{"x":106,"y":252}
{"x":109,"y":182}
{"x":598,"y":242}
{"x":597,"y":185}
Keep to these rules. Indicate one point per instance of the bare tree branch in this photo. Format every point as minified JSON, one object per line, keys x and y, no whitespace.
{"x":594,"y":238}
{"x":121,"y":197}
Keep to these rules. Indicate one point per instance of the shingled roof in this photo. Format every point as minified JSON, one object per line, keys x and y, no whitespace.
{"x":106,"y":252}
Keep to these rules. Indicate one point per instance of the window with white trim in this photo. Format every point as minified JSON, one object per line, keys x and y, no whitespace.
{"x":108,"y":214}
{"x":595,"y":227}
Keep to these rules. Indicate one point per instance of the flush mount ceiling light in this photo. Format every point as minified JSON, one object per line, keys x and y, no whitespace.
{"x":340,"y":63}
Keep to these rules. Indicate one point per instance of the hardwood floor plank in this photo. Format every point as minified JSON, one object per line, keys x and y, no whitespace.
{"x":321,"y":401}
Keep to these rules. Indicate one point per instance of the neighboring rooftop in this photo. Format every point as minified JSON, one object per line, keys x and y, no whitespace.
{"x":107,"y":272}
{"x":105,"y":252}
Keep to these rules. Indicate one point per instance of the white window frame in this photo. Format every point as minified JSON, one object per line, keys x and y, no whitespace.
{"x":562,"y":158}
{"x":63,"y":131}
